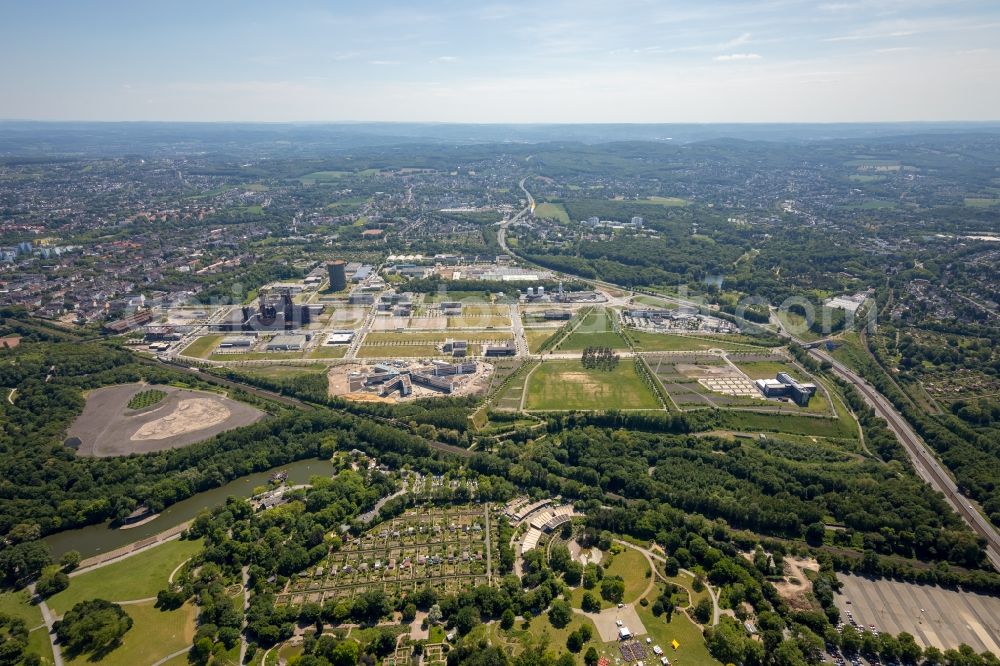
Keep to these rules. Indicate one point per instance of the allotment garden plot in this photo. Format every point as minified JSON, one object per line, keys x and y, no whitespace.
{"x":444,"y":548}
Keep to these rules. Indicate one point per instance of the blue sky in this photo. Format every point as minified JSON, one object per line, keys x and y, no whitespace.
{"x":572,"y":61}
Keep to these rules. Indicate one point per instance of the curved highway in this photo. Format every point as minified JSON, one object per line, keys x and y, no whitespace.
{"x":924,"y":462}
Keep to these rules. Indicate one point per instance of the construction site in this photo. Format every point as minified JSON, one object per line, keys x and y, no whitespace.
{"x":395,"y":381}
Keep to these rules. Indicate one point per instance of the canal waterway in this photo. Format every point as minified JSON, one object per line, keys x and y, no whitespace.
{"x":96,"y":539}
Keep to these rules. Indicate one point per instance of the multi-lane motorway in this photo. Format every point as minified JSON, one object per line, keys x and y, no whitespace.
{"x":926,"y":465}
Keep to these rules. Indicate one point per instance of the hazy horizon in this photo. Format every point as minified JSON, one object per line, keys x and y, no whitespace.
{"x":636,"y":62}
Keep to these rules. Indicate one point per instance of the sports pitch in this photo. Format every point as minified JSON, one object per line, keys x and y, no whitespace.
{"x":565,"y":385}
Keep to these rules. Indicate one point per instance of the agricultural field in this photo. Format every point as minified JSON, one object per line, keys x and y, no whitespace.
{"x":445,"y":548}
{"x":565,"y":385}
{"x":981,"y":202}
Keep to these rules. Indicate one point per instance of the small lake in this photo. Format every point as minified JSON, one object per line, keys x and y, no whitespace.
{"x":96,"y":539}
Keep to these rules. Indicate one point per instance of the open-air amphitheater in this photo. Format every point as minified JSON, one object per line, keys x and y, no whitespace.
{"x":541,"y":517}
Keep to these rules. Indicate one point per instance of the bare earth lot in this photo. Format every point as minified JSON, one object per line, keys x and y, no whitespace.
{"x":934,"y":615}
{"x":108,"y":428}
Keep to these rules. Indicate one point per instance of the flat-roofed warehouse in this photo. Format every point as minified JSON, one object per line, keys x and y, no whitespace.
{"x":236,"y":341}
{"x":286,"y":343}
{"x":340,"y":338}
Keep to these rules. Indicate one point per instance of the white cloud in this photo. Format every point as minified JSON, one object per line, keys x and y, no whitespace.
{"x":729,"y":57}
{"x":384,"y":63}
{"x":739,"y":40}
{"x":446,"y":59}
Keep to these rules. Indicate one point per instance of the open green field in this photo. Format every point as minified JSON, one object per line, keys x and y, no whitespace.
{"x":203,"y":346}
{"x":981,"y":202}
{"x":285,"y":371}
{"x":768,"y":369}
{"x":539,"y":630}
{"x":552,"y":211}
{"x":746,"y":421}
{"x":634,"y":569}
{"x":138,"y":577}
{"x":18,"y":604}
{"x":482,"y":309}
{"x":257,"y":356}
{"x":594,"y":330}
{"x":647,"y":341}
{"x":479,"y":321}
{"x":322,"y":177}
{"x":476,"y":297}
{"x":328,"y":351}
{"x":692,"y":650}
{"x":666,"y":201}
{"x":537,"y":338}
{"x":386,"y":344}
{"x":510,"y":397}
{"x":421,"y":337}
{"x":154,"y":635}
{"x":797,"y":325}
{"x":562,"y":385}
{"x":654,"y":302}
{"x":402,"y":351}
{"x":39,"y":643}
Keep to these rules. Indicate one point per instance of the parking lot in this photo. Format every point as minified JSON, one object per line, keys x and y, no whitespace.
{"x":934,"y":615}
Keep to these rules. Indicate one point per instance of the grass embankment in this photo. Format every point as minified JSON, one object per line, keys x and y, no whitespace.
{"x":138,"y":577}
